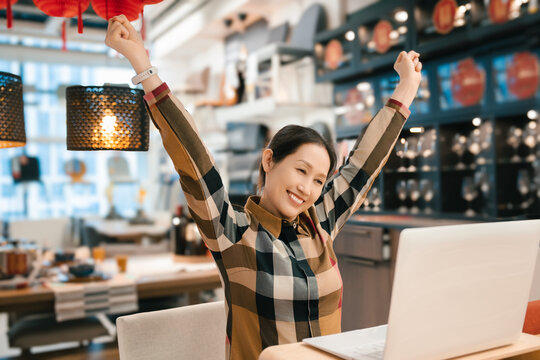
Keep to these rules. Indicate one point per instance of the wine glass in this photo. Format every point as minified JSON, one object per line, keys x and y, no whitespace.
{"x":485,"y":142}
{"x":469,"y":193}
{"x":458,"y":146}
{"x":411,"y":151}
{"x":514,"y":139}
{"x":481,"y":180}
{"x":400,"y":152}
{"x":414,"y":193}
{"x":529,"y":139}
{"x":375,"y":198}
{"x":426,"y":146}
{"x":401,"y":189}
{"x":427,"y":192}
{"x":524,"y":187}
{"x":473,"y":143}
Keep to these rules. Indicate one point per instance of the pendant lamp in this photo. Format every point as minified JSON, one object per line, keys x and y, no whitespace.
{"x":12,"y":132}
{"x":106,"y":118}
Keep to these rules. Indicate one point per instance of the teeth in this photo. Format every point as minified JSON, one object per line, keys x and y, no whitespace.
{"x":296,"y":199}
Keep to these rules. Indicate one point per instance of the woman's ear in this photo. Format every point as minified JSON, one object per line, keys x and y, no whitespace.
{"x":266,"y":161}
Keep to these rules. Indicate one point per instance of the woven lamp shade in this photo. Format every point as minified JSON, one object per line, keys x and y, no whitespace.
{"x":106,"y":118}
{"x":11,"y":111}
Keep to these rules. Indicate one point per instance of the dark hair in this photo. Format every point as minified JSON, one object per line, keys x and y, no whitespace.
{"x":288,"y":139}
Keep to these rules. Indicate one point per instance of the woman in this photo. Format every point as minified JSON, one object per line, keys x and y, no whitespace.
{"x":278,"y":268}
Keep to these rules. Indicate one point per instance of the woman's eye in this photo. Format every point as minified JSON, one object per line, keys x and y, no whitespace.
{"x":301,"y":171}
{"x":319,"y":182}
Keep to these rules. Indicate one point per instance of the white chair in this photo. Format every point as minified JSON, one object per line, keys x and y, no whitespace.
{"x":188,"y":332}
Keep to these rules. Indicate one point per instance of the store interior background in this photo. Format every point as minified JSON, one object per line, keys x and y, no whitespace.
{"x":477,"y":162}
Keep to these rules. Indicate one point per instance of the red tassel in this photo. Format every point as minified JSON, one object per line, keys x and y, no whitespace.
{"x":64,"y":47}
{"x":79,"y":19}
{"x":143,"y":25}
{"x":9,"y":15}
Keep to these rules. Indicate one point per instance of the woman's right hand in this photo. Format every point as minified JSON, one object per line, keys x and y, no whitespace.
{"x":122,"y":37}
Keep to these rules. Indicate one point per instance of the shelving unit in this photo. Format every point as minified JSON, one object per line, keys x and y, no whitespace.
{"x":484,"y":182}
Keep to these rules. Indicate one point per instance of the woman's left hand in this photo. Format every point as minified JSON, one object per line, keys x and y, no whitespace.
{"x":409,"y":67}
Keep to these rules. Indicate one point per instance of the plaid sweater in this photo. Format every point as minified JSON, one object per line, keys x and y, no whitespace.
{"x":281,"y":279}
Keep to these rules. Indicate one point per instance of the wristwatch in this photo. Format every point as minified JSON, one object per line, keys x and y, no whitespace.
{"x":137,"y":79}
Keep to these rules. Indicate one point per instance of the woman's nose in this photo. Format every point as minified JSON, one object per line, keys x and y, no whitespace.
{"x":304,"y":190}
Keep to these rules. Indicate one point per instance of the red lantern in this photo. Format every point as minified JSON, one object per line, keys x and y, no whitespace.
{"x":523,"y":75}
{"x":106,"y":9}
{"x":64,"y":8}
{"x":9,"y":15}
{"x":468,"y":82}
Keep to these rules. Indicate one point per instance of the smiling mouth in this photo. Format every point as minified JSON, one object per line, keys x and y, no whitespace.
{"x":295,"y":199}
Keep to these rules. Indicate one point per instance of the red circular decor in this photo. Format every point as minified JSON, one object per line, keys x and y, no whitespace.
{"x":468,"y":82}
{"x":444,"y":15}
{"x":333,"y":54}
{"x":106,"y":9}
{"x":381,"y":36}
{"x":352,"y":113}
{"x":499,"y":11}
{"x":523,"y":75}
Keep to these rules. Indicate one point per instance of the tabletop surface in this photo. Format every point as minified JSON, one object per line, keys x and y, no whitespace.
{"x":300,"y":351}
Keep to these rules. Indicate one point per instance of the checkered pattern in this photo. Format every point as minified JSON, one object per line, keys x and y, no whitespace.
{"x":281,"y":279}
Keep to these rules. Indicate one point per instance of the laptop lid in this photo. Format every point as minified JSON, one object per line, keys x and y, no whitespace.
{"x":460,"y":289}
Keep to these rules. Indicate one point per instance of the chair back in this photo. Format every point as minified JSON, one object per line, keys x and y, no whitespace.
{"x":188,"y":332}
{"x":51,"y":233}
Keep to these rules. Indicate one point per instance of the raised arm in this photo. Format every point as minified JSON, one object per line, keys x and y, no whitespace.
{"x":203,"y":187}
{"x":344,"y":194}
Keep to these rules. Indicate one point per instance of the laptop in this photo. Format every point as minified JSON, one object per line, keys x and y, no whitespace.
{"x":457,"y":290}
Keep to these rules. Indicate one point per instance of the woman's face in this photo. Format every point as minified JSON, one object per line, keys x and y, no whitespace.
{"x":293,"y":184}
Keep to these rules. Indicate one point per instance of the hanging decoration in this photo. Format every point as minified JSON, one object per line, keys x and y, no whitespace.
{"x":106,"y":9}
{"x":468,"y":82}
{"x":523,"y":75}
{"x":6,"y":4}
{"x":444,"y":15}
{"x":65,"y":9}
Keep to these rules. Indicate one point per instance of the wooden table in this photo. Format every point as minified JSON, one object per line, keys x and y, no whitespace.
{"x":41,"y":298}
{"x":300,"y":351}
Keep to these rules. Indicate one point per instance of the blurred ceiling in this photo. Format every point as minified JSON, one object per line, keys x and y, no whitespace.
{"x":175,"y":28}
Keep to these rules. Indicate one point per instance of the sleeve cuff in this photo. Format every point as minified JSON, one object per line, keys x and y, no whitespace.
{"x":155,"y":94}
{"x":397,"y":105}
